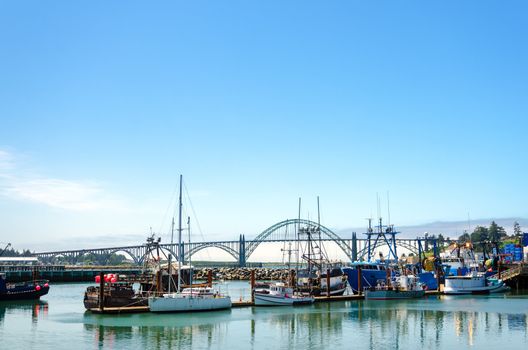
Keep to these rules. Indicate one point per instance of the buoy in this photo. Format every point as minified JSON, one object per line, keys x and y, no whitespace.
{"x":37,"y":287}
{"x":97,"y":279}
{"x":46,"y":285}
{"x":113,"y":280}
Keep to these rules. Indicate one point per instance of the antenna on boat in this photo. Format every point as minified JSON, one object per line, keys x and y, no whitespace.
{"x":388,"y":209}
{"x":190,"y":265}
{"x":180,"y":235}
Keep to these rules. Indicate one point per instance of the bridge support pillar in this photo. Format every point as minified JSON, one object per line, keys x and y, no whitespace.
{"x":354,"y":256}
{"x":242,"y":251}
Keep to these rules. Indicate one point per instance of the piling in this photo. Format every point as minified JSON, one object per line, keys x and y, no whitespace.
{"x":252,"y":281}
{"x":359,"y":280}
{"x":328,"y":282}
{"x":210,"y":278}
{"x":101,"y":291}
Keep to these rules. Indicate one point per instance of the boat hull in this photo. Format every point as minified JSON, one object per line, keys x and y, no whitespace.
{"x":24,"y":294}
{"x":393,"y":294}
{"x":187,"y":304}
{"x":280,"y":300}
{"x":473,"y":285}
{"x":369,"y":277}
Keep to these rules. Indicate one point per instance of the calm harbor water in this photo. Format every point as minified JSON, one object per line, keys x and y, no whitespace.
{"x":59,"y":321}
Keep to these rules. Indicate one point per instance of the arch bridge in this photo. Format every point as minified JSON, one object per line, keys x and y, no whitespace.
{"x":241,"y":250}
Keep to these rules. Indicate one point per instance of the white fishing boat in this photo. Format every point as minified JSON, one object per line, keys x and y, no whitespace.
{"x":402,"y":287}
{"x":474,"y":283}
{"x":279,"y":294}
{"x":189,"y":299}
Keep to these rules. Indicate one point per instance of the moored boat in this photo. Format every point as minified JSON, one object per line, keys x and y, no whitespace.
{"x":279,"y":294}
{"x":186,"y":299}
{"x":402,"y":287}
{"x":22,"y":290}
{"x":190,"y":299}
{"x":474,"y":283}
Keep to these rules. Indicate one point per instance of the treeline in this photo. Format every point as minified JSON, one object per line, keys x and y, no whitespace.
{"x":93,"y":259}
{"x":493,"y":233}
{"x":10,"y":252}
{"x":481,"y":235}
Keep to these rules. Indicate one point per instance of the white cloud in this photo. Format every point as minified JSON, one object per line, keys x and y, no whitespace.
{"x":57,"y":193}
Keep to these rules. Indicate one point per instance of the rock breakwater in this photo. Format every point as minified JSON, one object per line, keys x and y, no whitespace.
{"x":241,"y":273}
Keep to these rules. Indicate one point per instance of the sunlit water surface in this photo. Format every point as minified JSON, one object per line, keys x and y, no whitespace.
{"x":59,"y":321}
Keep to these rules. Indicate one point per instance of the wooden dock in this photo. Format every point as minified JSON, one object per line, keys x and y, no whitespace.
{"x":121,"y":310}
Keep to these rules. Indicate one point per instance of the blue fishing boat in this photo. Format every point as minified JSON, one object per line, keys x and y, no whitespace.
{"x":22,"y":290}
{"x":371,"y":273}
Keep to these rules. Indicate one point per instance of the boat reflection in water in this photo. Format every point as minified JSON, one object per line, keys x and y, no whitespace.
{"x":37,"y":308}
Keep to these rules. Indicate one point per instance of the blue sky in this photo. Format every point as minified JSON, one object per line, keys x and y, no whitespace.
{"x":103,"y":105}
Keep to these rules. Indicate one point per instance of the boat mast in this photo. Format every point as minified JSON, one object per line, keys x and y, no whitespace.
{"x":190,"y":264}
{"x":170,"y":256}
{"x":297,"y":248}
{"x":180,"y":236}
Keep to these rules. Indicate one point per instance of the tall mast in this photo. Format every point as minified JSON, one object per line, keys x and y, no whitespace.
{"x":297,"y":244}
{"x":319,"y":236}
{"x":190,"y":264}
{"x":180,"y":236}
{"x":170,"y":255}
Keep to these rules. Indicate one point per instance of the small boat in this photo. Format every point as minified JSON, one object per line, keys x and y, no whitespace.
{"x":279,"y":294}
{"x":22,"y":290}
{"x":402,"y":287}
{"x":474,"y":283}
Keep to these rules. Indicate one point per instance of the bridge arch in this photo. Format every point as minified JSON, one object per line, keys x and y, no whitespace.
{"x":132,"y":255}
{"x":163,"y":249}
{"x":251,"y":246}
{"x":195,"y":249}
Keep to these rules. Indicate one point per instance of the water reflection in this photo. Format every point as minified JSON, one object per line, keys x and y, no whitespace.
{"x":368,"y":324}
{"x":36,"y":308}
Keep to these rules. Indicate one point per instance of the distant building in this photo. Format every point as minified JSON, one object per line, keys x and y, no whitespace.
{"x":25,"y":260}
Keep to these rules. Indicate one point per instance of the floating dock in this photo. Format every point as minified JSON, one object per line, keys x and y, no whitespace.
{"x":236,"y":304}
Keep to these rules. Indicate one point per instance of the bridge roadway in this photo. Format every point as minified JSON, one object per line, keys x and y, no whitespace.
{"x":282,"y":232}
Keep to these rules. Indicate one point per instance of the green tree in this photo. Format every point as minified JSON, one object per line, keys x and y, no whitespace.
{"x":465,"y":237}
{"x":517,"y":229}
{"x":496,"y":232}
{"x":480,"y":234}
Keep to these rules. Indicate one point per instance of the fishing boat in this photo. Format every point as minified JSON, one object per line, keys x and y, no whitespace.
{"x":474,"y":283}
{"x":401,"y":287}
{"x":22,"y":290}
{"x":191,"y":299}
{"x":118,"y":291}
{"x":370,"y":272}
{"x":279,"y":294}
{"x":318,"y":276}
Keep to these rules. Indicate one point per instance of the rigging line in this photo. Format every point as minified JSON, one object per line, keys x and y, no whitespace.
{"x":168,"y":207}
{"x":196,"y":218}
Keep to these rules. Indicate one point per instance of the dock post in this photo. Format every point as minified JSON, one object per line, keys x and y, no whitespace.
{"x":499,"y":268}
{"x":252,"y":281}
{"x":210,"y":278}
{"x":101,"y":290}
{"x":328,"y":283}
{"x":438,"y":269}
{"x":359,"y":280}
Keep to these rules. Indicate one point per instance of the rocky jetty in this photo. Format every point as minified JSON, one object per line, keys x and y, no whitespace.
{"x":241,"y":273}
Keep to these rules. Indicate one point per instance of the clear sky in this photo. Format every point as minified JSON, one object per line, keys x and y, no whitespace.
{"x":104,"y":103}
